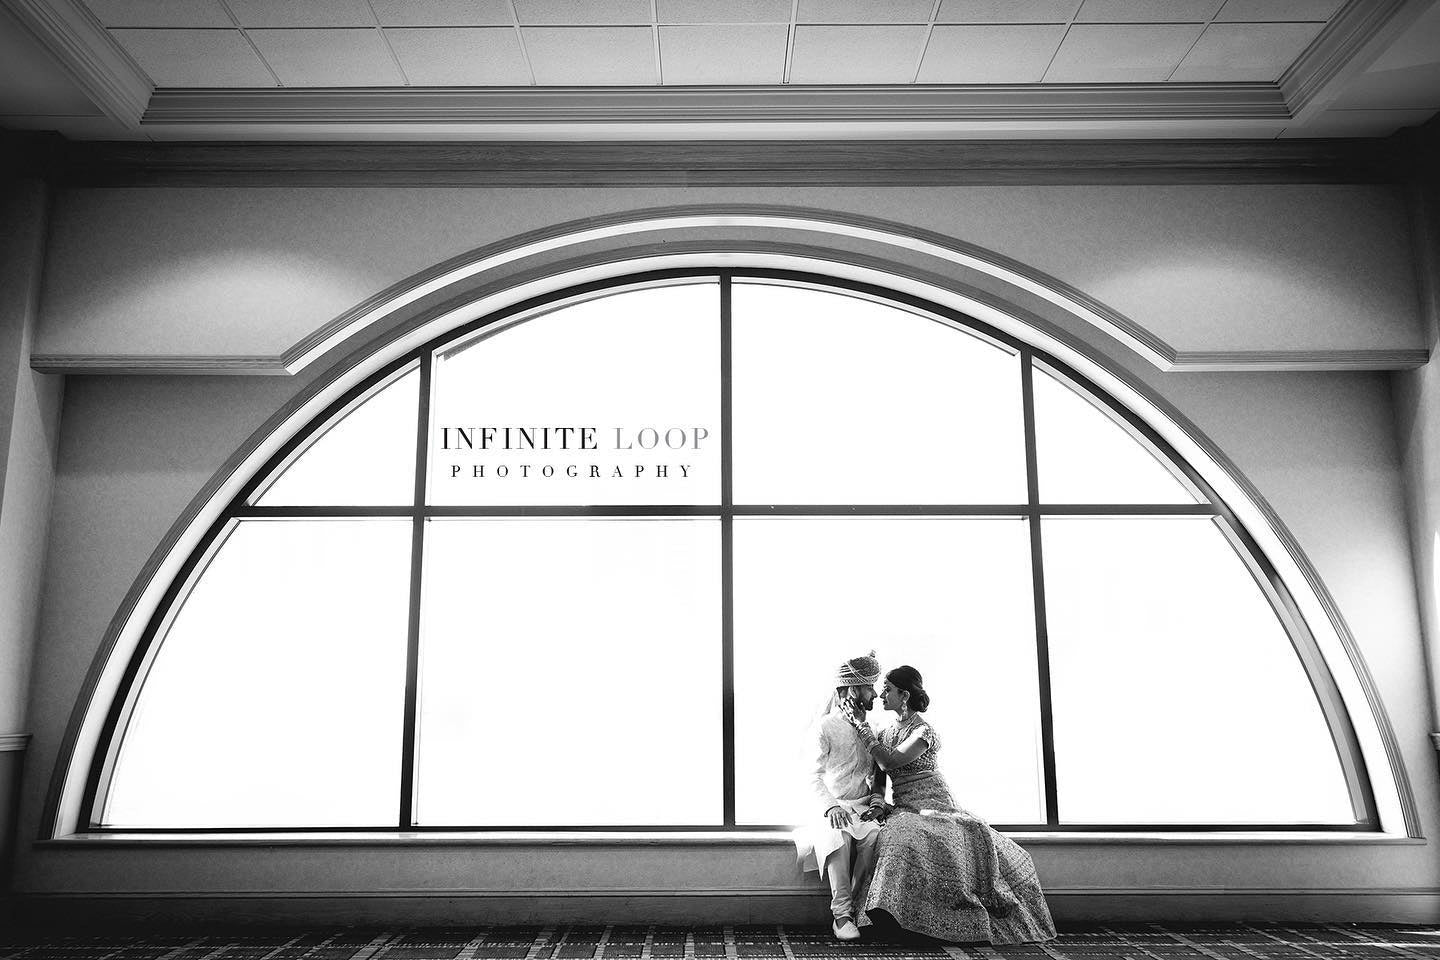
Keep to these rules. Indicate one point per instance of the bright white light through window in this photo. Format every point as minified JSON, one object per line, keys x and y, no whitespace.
{"x":584,"y":542}
{"x":642,"y":369}
{"x":1178,"y":697}
{"x":276,"y":698}
{"x":843,"y":400}
{"x":950,"y":597}
{"x":367,"y":458}
{"x":576,"y":650}
{"x":1085,"y":456}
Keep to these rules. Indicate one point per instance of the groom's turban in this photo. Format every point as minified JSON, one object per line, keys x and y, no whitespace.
{"x":859,"y":672}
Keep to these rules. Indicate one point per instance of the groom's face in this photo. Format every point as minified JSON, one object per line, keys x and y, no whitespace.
{"x":864,"y":697}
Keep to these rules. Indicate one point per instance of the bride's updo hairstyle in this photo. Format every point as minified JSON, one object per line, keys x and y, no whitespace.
{"x":907,"y":678}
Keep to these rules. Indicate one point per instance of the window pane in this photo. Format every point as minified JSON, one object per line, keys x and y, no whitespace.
{"x":1083,"y":455}
{"x":365,"y":458}
{"x":277,"y":697}
{"x":949,"y":596}
{"x":639,"y":370}
{"x":571,"y":673}
{"x":1178,"y":696}
{"x":841,"y":400}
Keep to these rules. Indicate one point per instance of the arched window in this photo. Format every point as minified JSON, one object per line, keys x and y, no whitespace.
{"x":591,"y":565}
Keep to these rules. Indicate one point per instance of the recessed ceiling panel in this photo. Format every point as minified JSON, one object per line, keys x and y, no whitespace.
{"x":591,"y":56}
{"x":723,"y":53}
{"x":1278,"y":10}
{"x":442,"y":13}
{"x":160,"y":13}
{"x":328,"y":58}
{"x":1121,"y":53}
{"x":875,"y":54}
{"x":1145,"y":11}
{"x":310,"y":13}
{"x":195,"y":58}
{"x":460,"y":56}
{"x":1245,"y":51}
{"x":584,"y":11}
{"x":734,"y":11}
{"x":1007,"y":11}
{"x":992,"y":53}
{"x":863,"y":11}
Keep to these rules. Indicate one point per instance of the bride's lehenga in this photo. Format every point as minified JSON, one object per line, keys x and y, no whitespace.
{"x":942,"y":871}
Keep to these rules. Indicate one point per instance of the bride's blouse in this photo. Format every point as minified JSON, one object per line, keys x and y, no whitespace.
{"x":902,"y":730}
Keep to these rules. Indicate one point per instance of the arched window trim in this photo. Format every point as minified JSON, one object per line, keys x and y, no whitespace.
{"x":286,"y":432}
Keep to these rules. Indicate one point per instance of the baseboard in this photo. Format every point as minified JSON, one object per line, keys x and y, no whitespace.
{"x":795,"y":905}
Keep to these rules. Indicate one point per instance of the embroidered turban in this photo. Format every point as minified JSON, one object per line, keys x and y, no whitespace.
{"x":859,"y":672}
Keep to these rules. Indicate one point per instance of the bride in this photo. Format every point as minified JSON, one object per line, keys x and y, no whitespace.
{"x":940,"y":870}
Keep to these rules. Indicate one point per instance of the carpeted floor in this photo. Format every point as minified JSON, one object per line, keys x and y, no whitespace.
{"x":1130,"y":942}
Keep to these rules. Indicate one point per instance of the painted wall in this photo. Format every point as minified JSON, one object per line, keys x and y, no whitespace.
{"x":29,"y":428}
{"x":131,"y":270}
{"x":249,"y":271}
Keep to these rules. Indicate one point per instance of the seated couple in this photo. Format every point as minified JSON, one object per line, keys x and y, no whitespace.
{"x":920,"y":862}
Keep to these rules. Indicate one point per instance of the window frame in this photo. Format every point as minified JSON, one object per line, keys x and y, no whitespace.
{"x":241,"y":507}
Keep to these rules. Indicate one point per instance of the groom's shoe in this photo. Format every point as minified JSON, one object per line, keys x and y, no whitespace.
{"x":844,"y":929}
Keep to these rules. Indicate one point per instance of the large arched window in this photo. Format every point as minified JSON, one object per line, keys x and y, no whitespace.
{"x":590,"y":564}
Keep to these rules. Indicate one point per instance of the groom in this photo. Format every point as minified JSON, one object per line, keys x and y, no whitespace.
{"x":841,"y":843}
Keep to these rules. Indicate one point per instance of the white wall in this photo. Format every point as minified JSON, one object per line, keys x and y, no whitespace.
{"x":141,"y":271}
{"x":29,"y":426}
{"x":249,"y":271}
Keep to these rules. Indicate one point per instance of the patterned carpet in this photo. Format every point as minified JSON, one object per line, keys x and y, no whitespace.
{"x":1132,"y":942}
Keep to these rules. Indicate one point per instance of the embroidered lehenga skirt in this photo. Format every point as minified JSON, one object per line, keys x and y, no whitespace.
{"x":943,"y":872}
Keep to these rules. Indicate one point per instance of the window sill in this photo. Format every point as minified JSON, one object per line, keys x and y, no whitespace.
{"x":675,"y":838}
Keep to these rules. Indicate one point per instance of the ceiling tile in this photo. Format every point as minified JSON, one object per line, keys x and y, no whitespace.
{"x":875,"y":54}
{"x":195,"y":58}
{"x":442,"y":13}
{"x":460,"y":56}
{"x":863,"y":11}
{"x":160,"y":13}
{"x":328,"y":58}
{"x":1237,"y":52}
{"x":590,"y":56}
{"x":1278,"y":10}
{"x":735,"y":11}
{"x":583,"y":11}
{"x":1121,"y":53}
{"x":310,"y":13}
{"x":1147,"y":11}
{"x":990,"y":53}
{"x":728,"y":53}
{"x":1007,"y":11}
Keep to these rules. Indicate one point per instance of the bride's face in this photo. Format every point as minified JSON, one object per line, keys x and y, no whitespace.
{"x":891,"y":698}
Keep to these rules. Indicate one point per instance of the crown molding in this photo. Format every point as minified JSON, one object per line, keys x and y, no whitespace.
{"x":955,"y":104}
{"x":80,"y":44}
{"x":124,"y":93}
{"x":155,"y":363}
{"x":726,"y":163}
{"x":1221,"y":361}
{"x":1347,"y":33}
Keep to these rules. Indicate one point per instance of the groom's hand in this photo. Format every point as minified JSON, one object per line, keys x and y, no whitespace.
{"x":839,"y":817}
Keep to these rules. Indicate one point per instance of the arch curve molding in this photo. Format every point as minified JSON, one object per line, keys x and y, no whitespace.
{"x":506,"y":278}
